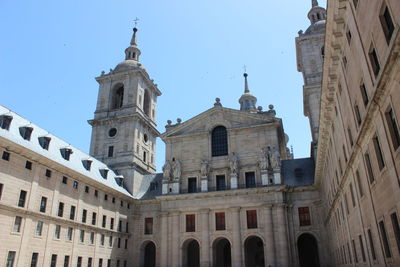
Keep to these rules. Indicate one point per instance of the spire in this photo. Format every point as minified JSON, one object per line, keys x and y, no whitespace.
{"x":133,"y":40}
{"x":133,"y":52}
{"x":314,"y":3}
{"x":246,"y":85}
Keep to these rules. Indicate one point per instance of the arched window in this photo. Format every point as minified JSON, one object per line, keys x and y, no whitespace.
{"x":146,"y":103}
{"x":118,"y":97}
{"x":219,"y":141}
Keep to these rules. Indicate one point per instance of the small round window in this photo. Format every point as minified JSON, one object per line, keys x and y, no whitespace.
{"x":145,"y":138}
{"x":112,"y":132}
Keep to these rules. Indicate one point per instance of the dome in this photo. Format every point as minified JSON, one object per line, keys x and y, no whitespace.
{"x":317,"y":27}
{"x":127,"y":65}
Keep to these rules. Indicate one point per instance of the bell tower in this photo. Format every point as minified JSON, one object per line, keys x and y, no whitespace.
{"x":124,"y":126}
{"x":310,"y":57}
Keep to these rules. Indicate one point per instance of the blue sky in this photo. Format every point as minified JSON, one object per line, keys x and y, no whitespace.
{"x":194,"y":50}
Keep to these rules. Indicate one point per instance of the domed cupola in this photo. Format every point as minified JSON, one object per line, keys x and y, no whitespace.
{"x":316,"y":13}
{"x":133,"y":52}
{"x":247,"y":100}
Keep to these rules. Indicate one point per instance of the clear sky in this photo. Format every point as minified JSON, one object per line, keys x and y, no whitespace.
{"x":194,"y":50}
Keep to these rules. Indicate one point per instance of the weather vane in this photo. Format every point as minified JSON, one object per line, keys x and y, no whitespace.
{"x":136,"y":21}
{"x":245,"y":68}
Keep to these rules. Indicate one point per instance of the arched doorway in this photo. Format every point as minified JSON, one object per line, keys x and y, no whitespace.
{"x":191,"y":253}
{"x":308,"y":251}
{"x":149,"y":254}
{"x":222,"y":253}
{"x":254,"y":252}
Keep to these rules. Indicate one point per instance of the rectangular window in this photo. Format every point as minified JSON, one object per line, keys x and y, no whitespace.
{"x":250,"y":179}
{"x":353,"y":201}
{"x":369,"y":168}
{"x":120,"y":226}
{"x":117,"y":263}
{"x":53,"y":260}
{"x":148,"y":226}
{"x":371,"y":244}
{"x":219,"y":221}
{"x":192,"y":185}
{"x":66,"y":261}
{"x":89,"y":264}
{"x":110,"y":241}
{"x":17,"y":224}
{"x":48,"y":173}
{"x":6,"y":156}
{"x":396,"y":229}
{"x":105,"y":197}
{"x":354,"y":251}
{"x":64,"y":180}
{"x":79,"y":262}
{"x":122,"y":203}
{"x":22,"y":198}
{"x":1,"y":190}
{"x":126,"y":227}
{"x":387,"y":24}
{"x":34,"y":259}
{"x":103,"y":223}
{"x":108,"y":263}
{"x":251,"y":216}
{"x":364,"y":94}
{"x":304,"y":216}
{"x":100,"y":262}
{"x":39,"y":228}
{"x":358,"y":115}
{"x":126,"y":243}
{"x":86,"y":189}
{"x":57,"y":231}
{"x":75,"y":185}
{"x":378,"y":152}
{"x":385,"y":240}
{"x":82,"y":236}
{"x":360,"y":187}
{"x":60,"y":209}
{"x":28,"y":165}
{"x":350,"y":136}
{"x":43,"y":204}
{"x":10,"y":259}
{"x":5,"y":122}
{"x":94,"y":216}
{"x":96,"y":193}
{"x":102,"y":240}
{"x":92,"y":238}
{"x":362,"y":248}
{"x":373,"y":58}
{"x":119,"y":242}
{"x":190,"y":223}
{"x":112,"y":223}
{"x":72,"y":213}
{"x":84,"y":214}
{"x":393,"y":128}
{"x":110,"y":151}
{"x":221,"y":182}
{"x":70,"y":233}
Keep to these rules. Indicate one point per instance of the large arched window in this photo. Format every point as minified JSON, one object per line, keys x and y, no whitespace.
{"x":146,"y":103}
{"x":118,"y":97}
{"x":219,"y":141}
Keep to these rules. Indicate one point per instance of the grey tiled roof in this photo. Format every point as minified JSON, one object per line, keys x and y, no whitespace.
{"x":148,"y":192}
{"x":298,"y":172}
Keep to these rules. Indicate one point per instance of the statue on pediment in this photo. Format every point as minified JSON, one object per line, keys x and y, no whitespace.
{"x":204,"y":168}
{"x":263,"y":160}
{"x":275,"y":158}
{"x":233,"y":163}
{"x":176,"y":169}
{"x":166,"y":170}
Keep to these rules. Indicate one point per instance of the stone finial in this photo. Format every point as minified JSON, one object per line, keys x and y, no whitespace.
{"x":300,"y":32}
{"x":217,"y":102}
{"x":259,"y":108}
{"x":169,"y":122}
{"x":178,"y":120}
{"x":271,"y":107}
{"x":103,"y":73}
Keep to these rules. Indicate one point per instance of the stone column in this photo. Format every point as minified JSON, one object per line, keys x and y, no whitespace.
{"x":175,"y":241}
{"x":269,"y":237}
{"x":164,"y":240}
{"x":282,"y":244}
{"x":236,"y":250}
{"x":205,"y":260}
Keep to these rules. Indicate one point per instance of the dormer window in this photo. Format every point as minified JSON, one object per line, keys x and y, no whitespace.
{"x":44,"y":142}
{"x":5,"y":122}
{"x":104,"y":173}
{"x":26,"y":132}
{"x":66,"y":153}
{"x":119,"y":179}
{"x":87,"y":163}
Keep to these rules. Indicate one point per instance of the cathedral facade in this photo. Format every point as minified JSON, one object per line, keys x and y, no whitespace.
{"x":230,"y":192}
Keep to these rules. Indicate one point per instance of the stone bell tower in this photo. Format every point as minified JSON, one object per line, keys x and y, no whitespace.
{"x":310,"y":56}
{"x":124,"y":126}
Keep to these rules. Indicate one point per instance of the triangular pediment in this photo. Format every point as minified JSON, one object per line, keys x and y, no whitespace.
{"x":206,"y":121}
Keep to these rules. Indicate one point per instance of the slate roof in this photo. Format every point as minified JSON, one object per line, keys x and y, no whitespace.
{"x":148,"y":191}
{"x":53,"y":153}
{"x":298,"y":172}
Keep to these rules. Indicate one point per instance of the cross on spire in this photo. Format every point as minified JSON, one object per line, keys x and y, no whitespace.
{"x":244,"y":68}
{"x":136,"y":20}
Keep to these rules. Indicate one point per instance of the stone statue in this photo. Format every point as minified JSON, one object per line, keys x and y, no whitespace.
{"x":176,"y":166}
{"x":233,"y":163}
{"x":204,"y":169}
{"x":263,"y":161}
{"x":167,"y":170}
{"x":275,"y":158}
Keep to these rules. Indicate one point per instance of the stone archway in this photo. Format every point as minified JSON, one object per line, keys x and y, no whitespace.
{"x":148,"y":252}
{"x":254,"y":252}
{"x":191,"y":253}
{"x":222,"y":253}
{"x":308,"y":251}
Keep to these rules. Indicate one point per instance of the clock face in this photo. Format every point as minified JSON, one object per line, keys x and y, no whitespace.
{"x":112,"y":132}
